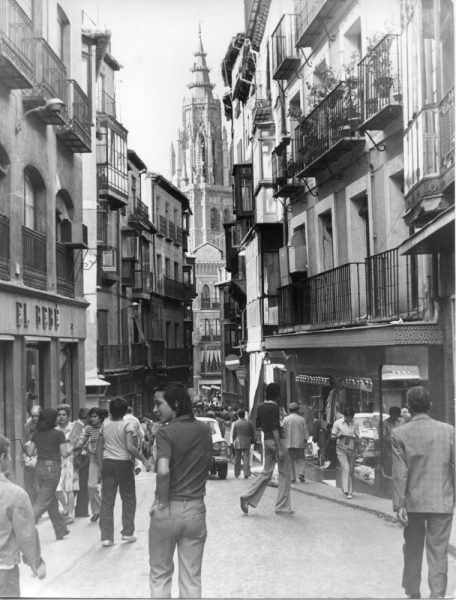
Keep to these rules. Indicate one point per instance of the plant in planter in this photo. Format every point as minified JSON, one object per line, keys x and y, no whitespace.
{"x":316,"y":92}
{"x":350,"y":71}
{"x":294,"y":113}
{"x":381,"y":66}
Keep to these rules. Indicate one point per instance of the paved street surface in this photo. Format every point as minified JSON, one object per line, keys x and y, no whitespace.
{"x":324,"y":550}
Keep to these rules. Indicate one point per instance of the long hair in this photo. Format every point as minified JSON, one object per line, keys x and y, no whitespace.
{"x":47,"y":419}
{"x":176,"y":395}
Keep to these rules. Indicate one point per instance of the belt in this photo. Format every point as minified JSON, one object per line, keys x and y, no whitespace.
{"x":49,"y":463}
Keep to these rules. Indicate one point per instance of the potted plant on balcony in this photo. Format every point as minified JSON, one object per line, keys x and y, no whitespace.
{"x":350,"y":71}
{"x":317,"y":91}
{"x":380,"y":64}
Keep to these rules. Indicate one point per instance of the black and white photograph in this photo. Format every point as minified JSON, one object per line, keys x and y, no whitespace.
{"x":227,"y":299}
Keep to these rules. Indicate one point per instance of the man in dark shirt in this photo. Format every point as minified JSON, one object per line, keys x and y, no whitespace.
{"x":29,"y":462}
{"x":178,"y":515}
{"x":268,"y":419}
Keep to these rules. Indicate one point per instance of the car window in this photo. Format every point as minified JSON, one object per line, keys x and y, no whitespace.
{"x":212,"y":426}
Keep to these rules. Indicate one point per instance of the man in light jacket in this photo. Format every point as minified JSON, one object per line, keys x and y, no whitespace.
{"x":424,"y":493}
{"x":243,"y":436}
{"x":296,"y":436}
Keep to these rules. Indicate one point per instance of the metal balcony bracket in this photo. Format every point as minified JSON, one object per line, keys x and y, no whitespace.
{"x":306,"y":58}
{"x":309,"y":189}
{"x":380,"y":147}
{"x":335,"y":176}
{"x":331,"y":38}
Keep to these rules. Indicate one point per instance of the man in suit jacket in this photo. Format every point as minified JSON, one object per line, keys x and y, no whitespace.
{"x":296,"y":436}
{"x":243,"y":435}
{"x":424,"y":493}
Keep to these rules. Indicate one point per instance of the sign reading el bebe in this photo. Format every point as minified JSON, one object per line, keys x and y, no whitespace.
{"x":45,"y":317}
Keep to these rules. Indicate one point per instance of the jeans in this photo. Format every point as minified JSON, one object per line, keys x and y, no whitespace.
{"x":256,"y":490}
{"x":92,"y":485}
{"x":297,"y":462}
{"x":30,"y":483}
{"x":82,"y":499}
{"x":47,"y":478}
{"x":245,"y":455}
{"x":347,"y":464}
{"x":435,"y":528}
{"x":9,"y":583}
{"x":117,"y":474}
{"x":182,"y":523}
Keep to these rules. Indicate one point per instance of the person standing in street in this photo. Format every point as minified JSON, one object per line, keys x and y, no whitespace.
{"x":296,"y":436}
{"x":178,"y":514}
{"x":394,"y":420}
{"x":29,"y":462}
{"x":90,"y":442}
{"x":81,"y":460}
{"x":275,"y":452}
{"x":18,"y":533}
{"x":116,"y":451}
{"x":346,"y":433}
{"x":69,"y":477}
{"x":243,"y":436}
{"x":424,"y":493}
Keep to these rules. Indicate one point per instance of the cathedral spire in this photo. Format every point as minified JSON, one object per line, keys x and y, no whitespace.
{"x":201,"y":85}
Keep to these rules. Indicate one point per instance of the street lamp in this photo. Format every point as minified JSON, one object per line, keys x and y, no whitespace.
{"x":53,"y":105}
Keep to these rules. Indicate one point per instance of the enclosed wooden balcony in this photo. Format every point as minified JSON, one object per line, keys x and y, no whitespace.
{"x":76,"y":132}
{"x":173,"y":288}
{"x":34,"y":259}
{"x":313,"y":18}
{"x":330,"y":130}
{"x":50,"y":81}
{"x":138,"y":218}
{"x":16,"y":51}
{"x":178,"y":357}
{"x":447,"y":135}
{"x":142,"y":285}
{"x":380,"y":84}
{"x":243,"y":78}
{"x":285,"y":57}
{"x":65,"y":270}
{"x":112,"y":357}
{"x":5,"y":268}
{"x":286,"y":164}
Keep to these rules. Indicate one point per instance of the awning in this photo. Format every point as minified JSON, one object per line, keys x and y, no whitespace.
{"x":96,"y":381}
{"x":435,"y":237}
{"x":400,"y":372}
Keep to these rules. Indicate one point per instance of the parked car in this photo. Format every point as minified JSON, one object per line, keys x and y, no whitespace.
{"x":368,"y":423}
{"x":220,"y":451}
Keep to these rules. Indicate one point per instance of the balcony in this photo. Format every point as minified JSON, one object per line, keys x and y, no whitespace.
{"x":5,"y":269}
{"x":173,"y":288}
{"x":142,"y":285}
{"x":285,"y":56}
{"x":64,"y":270}
{"x":244,"y":76}
{"x":179,"y":357}
{"x":156,"y":351}
{"x":262,"y":112}
{"x":162,"y":226}
{"x":447,"y":135}
{"x":128,"y":271}
{"x":189,"y":291}
{"x":171,"y":231}
{"x":379,"y":78}
{"x":330,"y":130}
{"x":102,"y":227}
{"x":139,"y":355}
{"x":139,"y":217}
{"x":106,"y":104}
{"x":50,"y":81}
{"x":34,"y":259}
{"x":208,"y":304}
{"x":16,"y":52}
{"x":76,"y":132}
{"x":112,"y":357}
{"x":286,"y":164}
{"x":179,"y":236}
{"x":331,"y":299}
{"x":312,"y":20}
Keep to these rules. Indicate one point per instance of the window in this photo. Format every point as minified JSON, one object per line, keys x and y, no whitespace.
{"x":176,"y":272}
{"x":215,"y":219}
{"x":205,"y":297}
{"x":63,"y":35}
{"x":159,"y":265}
{"x":29,"y":202}
{"x":66,"y":374}
{"x":167,"y":267}
{"x":326,"y":242}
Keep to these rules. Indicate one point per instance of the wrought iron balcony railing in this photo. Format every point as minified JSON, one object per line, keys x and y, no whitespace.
{"x":312,"y":20}
{"x":286,"y":164}
{"x":34,"y":259}
{"x":76,"y":133}
{"x":112,"y":357}
{"x":173,"y":288}
{"x":330,"y":130}
{"x":65,"y":270}
{"x":106,"y":103}
{"x":5,"y":268}
{"x":285,"y":56}
{"x":16,"y":51}
{"x":447,"y":131}
{"x":171,"y":230}
{"x":380,"y":84}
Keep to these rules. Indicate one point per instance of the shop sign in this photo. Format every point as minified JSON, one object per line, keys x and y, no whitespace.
{"x":240,"y":374}
{"x":39,"y":317}
{"x":313,"y":379}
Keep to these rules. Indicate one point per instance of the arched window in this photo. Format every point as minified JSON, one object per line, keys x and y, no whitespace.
{"x":215,"y":219}
{"x":34,"y":206}
{"x":205,"y":297}
{"x":29,"y":202}
{"x":226,"y":215}
{"x":201,"y":153}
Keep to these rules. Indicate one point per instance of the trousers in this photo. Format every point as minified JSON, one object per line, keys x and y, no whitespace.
{"x":9,"y":583}
{"x":256,"y":490}
{"x":92,"y":486}
{"x":181,"y":524}
{"x":47,"y":479}
{"x":435,"y":529}
{"x":30,"y":483}
{"x":244,"y":454}
{"x":117,"y":474}
{"x":347,"y":464}
{"x":297,"y":462}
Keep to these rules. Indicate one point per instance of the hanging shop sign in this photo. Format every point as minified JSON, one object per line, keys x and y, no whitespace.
{"x":363,"y":384}
{"x":313,"y":379}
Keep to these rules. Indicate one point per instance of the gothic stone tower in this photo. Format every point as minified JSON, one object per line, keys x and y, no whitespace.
{"x":200,"y":168}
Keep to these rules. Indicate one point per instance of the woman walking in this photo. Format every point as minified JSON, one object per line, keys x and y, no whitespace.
{"x":50,"y":446}
{"x":69,"y":478}
{"x":90,"y":441}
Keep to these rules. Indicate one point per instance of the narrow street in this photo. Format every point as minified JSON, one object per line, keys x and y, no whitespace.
{"x":324,"y":550}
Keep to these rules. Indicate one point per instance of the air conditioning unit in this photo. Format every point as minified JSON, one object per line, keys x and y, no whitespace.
{"x":285,"y":278}
{"x":108,"y":260}
{"x":74,"y":235}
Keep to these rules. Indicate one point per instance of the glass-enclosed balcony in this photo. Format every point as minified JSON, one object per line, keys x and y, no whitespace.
{"x":16,"y":51}
{"x":313,"y":17}
{"x":112,"y":175}
{"x":447,"y":132}
{"x":286,"y":164}
{"x":76,"y":133}
{"x":106,"y":104}
{"x":243,"y":78}
{"x":285,"y":56}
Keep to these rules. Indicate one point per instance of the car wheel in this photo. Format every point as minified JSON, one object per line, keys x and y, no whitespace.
{"x":223,"y":471}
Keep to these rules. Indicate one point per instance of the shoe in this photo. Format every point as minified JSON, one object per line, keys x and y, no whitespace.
{"x":137,"y":470}
{"x":62,"y":535}
{"x":285,"y":512}
{"x":107,"y":543}
{"x":246,"y":476}
{"x":349,"y":497}
{"x":293,"y":481}
{"x":302,"y":479}
{"x":129,"y":538}
{"x":244,"y":506}
{"x":94,"y":517}
{"x":410,"y":594}
{"x":68,"y":520}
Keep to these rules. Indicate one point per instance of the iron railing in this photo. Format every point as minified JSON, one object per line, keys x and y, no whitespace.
{"x":5,"y":269}
{"x":64,"y":270}
{"x":283,"y":41}
{"x":106,"y":103}
{"x":34,"y":258}
{"x":379,"y":76}
{"x":138,"y":355}
{"x":447,"y":130}
{"x":286,"y":164}
{"x":16,"y":31}
{"x":50,"y":72}
{"x":112,"y":357}
{"x":173,"y":288}
{"x":157,"y":350}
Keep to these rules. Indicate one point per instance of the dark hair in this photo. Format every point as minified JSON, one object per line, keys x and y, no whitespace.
{"x":93,"y":411}
{"x":395,"y":411}
{"x":129,"y":410}
{"x":118,"y":408}
{"x":241,"y":413}
{"x":47,"y":419}
{"x":65,"y":407}
{"x":418,"y":399}
{"x":83,"y":412}
{"x":349,"y":412}
{"x":272,"y":391}
{"x":4,"y":445}
{"x":177,"y":397}
{"x":102,"y":413}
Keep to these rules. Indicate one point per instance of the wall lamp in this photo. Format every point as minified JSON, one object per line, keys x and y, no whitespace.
{"x":53,"y":105}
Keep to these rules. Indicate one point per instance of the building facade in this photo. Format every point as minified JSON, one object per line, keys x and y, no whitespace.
{"x":44,"y":131}
{"x":201,"y":170}
{"x":352,"y":106}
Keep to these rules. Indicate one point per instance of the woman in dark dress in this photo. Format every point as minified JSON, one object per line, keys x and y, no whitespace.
{"x":50,"y":446}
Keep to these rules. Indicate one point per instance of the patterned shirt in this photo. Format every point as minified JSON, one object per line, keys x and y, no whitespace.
{"x":345,"y":431}
{"x":91,"y":435}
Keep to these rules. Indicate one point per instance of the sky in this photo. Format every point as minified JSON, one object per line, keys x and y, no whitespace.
{"x":154,"y":41}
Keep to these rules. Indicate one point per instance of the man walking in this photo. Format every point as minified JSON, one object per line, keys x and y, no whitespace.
{"x":424,"y":493}
{"x":178,"y":515}
{"x":275,"y":452}
{"x":346,"y":433}
{"x":29,"y":462}
{"x":296,"y":435}
{"x":82,"y":461}
{"x":243,"y":436}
